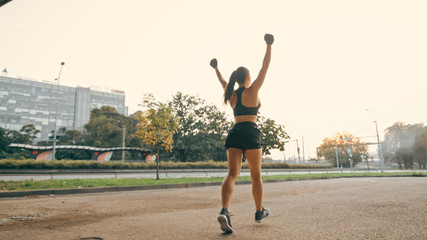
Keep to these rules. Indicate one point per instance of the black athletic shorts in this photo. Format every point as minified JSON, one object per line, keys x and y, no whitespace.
{"x":244,"y":135}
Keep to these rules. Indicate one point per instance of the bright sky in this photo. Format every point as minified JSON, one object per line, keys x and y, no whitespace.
{"x":331,"y":59}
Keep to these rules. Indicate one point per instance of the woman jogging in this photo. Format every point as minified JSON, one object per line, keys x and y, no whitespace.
{"x":244,"y":137}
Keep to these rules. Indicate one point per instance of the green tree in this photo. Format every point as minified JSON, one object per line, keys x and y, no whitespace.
{"x":73,"y":137}
{"x":404,"y":156}
{"x":132,"y":140}
{"x":156,"y":126}
{"x":29,"y":133}
{"x":399,"y":142}
{"x":341,"y":143}
{"x":214,"y":131}
{"x":25,"y":135}
{"x":202,"y":129}
{"x":4,"y":143}
{"x":273,"y":135}
{"x":105,"y":129}
{"x":420,"y":148}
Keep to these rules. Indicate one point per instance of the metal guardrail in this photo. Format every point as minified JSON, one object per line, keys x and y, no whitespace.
{"x":107,"y":171}
{"x":77,"y":147}
{"x":265,"y":171}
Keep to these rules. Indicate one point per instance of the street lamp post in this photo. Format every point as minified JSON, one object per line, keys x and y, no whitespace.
{"x":336,"y":154}
{"x":56,"y":113}
{"x":303,"y":151}
{"x":123,"y":142}
{"x":380,"y":152}
{"x":298,"y":149}
{"x":350,"y":155}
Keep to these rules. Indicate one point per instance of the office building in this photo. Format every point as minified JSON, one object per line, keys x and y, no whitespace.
{"x":25,"y":102}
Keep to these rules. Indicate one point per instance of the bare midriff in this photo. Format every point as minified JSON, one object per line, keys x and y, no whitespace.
{"x":245,"y":118}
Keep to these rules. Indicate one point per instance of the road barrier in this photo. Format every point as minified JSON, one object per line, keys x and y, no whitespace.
{"x":44,"y":174}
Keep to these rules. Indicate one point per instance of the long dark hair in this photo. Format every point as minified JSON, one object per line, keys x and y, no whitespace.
{"x":239,"y":75}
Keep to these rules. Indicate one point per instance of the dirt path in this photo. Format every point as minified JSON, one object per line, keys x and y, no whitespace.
{"x":356,"y":208}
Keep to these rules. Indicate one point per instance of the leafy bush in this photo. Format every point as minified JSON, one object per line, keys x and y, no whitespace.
{"x":82,"y":164}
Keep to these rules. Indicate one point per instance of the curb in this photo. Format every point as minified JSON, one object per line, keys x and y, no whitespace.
{"x":67,"y":191}
{"x":31,"y":193}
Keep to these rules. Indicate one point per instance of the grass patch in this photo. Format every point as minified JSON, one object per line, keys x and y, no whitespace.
{"x":90,"y":183}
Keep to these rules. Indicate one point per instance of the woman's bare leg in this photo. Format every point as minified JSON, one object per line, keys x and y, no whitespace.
{"x":254,"y":157}
{"x":234,"y":159}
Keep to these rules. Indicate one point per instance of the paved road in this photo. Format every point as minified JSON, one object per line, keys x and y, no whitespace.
{"x":355,"y":208}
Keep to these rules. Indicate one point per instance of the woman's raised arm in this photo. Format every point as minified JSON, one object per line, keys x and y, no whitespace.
{"x":256,"y":85}
{"x":214,"y":64}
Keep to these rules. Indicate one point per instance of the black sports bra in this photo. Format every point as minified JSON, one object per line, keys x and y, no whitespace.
{"x":240,"y":110}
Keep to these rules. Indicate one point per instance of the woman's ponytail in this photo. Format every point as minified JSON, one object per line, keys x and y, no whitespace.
{"x":230,"y":87}
{"x":239,"y":76}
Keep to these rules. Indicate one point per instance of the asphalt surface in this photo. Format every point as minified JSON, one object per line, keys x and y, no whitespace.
{"x":345,"y":208}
